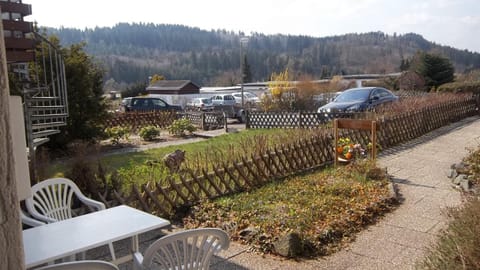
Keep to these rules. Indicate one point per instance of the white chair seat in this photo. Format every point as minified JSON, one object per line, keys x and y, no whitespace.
{"x":81,"y":265}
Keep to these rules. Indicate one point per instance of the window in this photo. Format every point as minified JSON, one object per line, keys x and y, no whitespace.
{"x":18,"y":34}
{"x":384,"y":93}
{"x":5,"y":16}
{"x":158,"y":103}
{"x":16,"y":16}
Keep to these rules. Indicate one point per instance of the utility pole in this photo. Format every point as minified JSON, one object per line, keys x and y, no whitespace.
{"x":243,"y":40}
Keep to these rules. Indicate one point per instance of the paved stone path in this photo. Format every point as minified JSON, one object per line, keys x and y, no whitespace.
{"x":399,"y":239}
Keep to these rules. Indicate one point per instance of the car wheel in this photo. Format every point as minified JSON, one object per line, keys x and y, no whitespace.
{"x":243,"y":117}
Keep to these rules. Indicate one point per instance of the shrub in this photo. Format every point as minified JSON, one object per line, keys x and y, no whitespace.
{"x":90,"y":175}
{"x":149,"y":133}
{"x":179,"y":126}
{"x":117,"y":133}
{"x":458,"y":246}
{"x":462,"y":87}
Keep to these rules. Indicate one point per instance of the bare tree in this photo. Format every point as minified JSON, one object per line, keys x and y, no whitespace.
{"x":11,"y":248}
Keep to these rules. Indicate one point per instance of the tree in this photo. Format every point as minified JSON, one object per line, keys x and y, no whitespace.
{"x":404,"y":64}
{"x":86,"y":105}
{"x":280,"y":92}
{"x":246,"y":72}
{"x":155,"y":78}
{"x":135,"y":90}
{"x":435,"y":69}
{"x":305,"y":92}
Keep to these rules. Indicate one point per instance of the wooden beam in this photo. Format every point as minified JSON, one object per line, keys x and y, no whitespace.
{"x":354,"y":124}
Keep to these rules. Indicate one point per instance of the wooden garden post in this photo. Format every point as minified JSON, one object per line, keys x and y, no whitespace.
{"x":11,"y":243}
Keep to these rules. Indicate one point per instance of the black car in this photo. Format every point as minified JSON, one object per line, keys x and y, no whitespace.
{"x":149,"y":104}
{"x":359,"y":99}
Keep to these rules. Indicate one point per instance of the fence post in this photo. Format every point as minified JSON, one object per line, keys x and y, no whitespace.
{"x":225,"y":123}
{"x":202,"y":125}
{"x":247,"y":119}
{"x":299,"y":119}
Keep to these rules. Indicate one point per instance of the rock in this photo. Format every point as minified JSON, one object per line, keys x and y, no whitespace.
{"x":459,"y":179}
{"x":248,"y":233}
{"x":377,"y":174}
{"x":462,"y":168}
{"x":453,"y":173}
{"x":290,"y":245}
{"x":465,"y":185}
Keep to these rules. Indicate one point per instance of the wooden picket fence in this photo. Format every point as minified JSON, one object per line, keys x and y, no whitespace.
{"x":162,"y":119}
{"x":136,"y":120}
{"x":166,"y":196}
{"x":206,"y":120}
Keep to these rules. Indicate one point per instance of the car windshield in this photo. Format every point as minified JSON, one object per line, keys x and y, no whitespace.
{"x":206,"y":101}
{"x":250,"y":95}
{"x":353,"y":95}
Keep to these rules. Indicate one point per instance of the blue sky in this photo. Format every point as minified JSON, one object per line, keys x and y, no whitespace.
{"x":454,"y":23}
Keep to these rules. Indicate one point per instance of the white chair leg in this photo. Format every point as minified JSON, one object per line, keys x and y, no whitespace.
{"x":112,"y":251}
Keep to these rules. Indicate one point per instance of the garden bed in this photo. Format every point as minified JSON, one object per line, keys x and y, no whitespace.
{"x":324,"y":209}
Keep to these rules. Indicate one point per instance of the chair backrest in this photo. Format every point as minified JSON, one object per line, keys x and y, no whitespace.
{"x":81,"y":265}
{"x":187,"y":250}
{"x":52,"y":199}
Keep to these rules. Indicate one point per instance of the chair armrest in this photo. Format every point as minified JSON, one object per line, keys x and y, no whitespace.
{"x":137,"y":261}
{"x":91,"y":203}
{"x":30,"y":221}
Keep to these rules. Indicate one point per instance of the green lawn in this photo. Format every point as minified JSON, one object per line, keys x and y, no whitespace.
{"x":141,"y":167}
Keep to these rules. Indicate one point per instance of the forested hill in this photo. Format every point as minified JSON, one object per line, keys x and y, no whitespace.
{"x":132,"y":52}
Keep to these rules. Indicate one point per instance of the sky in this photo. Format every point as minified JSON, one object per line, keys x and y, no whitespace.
{"x":454,"y":23}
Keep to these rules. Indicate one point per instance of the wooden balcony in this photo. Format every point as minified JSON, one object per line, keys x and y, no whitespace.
{"x":19,"y":43}
{"x":24,"y":27}
{"x":20,"y":56}
{"x":23,"y":9}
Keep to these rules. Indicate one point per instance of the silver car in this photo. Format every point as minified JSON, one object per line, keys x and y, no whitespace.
{"x":201,"y":104}
{"x":223,"y":99}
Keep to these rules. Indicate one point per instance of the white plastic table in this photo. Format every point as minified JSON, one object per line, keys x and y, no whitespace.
{"x":61,"y":239}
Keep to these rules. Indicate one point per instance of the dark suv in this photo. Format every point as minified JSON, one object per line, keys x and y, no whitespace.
{"x":149,"y":104}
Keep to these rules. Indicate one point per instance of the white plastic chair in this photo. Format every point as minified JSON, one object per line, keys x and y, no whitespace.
{"x":52,"y":201}
{"x":186,"y":250}
{"x":81,"y":265}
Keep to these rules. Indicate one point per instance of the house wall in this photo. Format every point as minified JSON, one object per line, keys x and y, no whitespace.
{"x":22,"y":173}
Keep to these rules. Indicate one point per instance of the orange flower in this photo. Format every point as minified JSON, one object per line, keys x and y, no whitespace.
{"x":348,"y":155}
{"x":340,"y":149}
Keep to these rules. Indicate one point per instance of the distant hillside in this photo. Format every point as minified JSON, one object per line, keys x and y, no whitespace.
{"x":132,"y":52}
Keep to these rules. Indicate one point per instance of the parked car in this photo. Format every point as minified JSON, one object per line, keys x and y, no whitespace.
{"x":247,"y":97}
{"x":223,"y":99}
{"x":201,"y":104}
{"x":125,"y":104}
{"x":359,"y":99}
{"x":149,"y":104}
